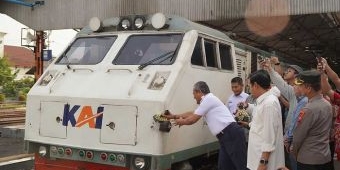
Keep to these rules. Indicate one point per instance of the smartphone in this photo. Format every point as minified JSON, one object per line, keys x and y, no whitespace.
{"x":260,"y":58}
{"x":319,"y":59}
{"x":317,"y":55}
{"x":320,"y":65}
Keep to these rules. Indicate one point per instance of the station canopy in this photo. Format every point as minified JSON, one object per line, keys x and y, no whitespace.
{"x":296,"y":30}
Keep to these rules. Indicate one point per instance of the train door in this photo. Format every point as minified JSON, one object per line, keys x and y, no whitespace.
{"x":243,"y":65}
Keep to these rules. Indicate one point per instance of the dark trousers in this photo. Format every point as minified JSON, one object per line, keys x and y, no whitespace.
{"x":326,"y":166}
{"x":233,"y":153}
{"x":332,"y":148}
{"x":287,"y":159}
{"x":292,"y":162}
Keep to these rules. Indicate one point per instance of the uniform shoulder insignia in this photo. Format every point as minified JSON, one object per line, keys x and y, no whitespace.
{"x":301,"y":114}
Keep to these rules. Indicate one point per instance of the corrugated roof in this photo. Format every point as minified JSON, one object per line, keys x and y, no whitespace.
{"x":301,"y":35}
{"x":308,"y":22}
{"x":61,"y":14}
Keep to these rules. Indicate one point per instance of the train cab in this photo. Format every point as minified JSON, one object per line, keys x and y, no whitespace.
{"x":95,"y":105}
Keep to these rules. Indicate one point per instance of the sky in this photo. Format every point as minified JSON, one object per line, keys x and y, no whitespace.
{"x":58,"y":39}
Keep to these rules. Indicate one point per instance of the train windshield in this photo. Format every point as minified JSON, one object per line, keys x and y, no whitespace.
{"x":87,"y":50}
{"x":145,"y":50}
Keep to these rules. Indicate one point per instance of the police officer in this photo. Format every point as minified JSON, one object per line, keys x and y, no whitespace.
{"x":311,"y":135}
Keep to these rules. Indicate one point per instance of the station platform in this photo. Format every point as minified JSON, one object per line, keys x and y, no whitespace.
{"x":12,"y":131}
{"x":12,"y":140}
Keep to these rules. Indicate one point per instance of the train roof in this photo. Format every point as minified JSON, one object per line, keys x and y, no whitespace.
{"x":172,"y":23}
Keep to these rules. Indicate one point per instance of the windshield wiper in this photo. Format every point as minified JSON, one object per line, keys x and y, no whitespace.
{"x":67,"y":61}
{"x":163,"y":56}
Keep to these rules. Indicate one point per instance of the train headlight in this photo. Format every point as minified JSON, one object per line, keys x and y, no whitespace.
{"x":139,"y":23}
{"x":95,"y":24}
{"x":68,"y":151}
{"x":125,"y":24}
{"x":140,"y":163}
{"x":158,"y":20}
{"x":159,"y":80}
{"x":61,"y":151}
{"x":89,"y":154}
{"x":42,"y":150}
{"x":53,"y":150}
{"x":46,"y":79}
{"x":103,"y":156}
{"x":113,"y":158}
{"x":121,"y":158}
{"x":81,"y":154}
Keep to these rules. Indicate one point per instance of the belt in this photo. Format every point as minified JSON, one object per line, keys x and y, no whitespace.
{"x":219,"y":135}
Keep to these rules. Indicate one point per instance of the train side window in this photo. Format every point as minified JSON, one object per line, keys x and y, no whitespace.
{"x":210,"y":53}
{"x":226,"y":59}
{"x":197,"y":55}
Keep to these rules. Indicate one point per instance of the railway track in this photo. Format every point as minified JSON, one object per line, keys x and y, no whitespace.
{"x":17,"y":162}
{"x":12,"y":116}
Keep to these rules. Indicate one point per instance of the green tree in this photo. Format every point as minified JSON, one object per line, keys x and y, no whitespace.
{"x":5,"y":72}
{"x":17,"y":88}
{"x":10,"y":87}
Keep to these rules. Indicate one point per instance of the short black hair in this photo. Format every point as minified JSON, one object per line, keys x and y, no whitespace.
{"x":316,"y":86}
{"x":202,"y":87}
{"x":237,"y":80}
{"x":260,"y":77}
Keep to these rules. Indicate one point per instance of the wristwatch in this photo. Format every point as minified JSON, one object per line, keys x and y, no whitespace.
{"x":263,"y":161}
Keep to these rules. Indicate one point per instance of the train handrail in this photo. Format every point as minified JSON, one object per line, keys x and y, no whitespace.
{"x":56,"y":78}
{"x":76,"y":69}
{"x":125,"y":69}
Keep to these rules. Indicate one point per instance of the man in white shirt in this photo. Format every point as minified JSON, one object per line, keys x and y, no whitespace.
{"x":232,"y":154}
{"x":265,"y":146}
{"x":238,"y":96}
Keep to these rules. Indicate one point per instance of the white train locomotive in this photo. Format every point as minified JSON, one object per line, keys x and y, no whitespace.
{"x":94,"y":107}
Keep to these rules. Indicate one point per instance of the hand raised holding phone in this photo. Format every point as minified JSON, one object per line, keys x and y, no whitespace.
{"x":321,"y":63}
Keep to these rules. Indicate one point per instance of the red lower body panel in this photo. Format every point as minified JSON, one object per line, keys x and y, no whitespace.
{"x":63,"y":164}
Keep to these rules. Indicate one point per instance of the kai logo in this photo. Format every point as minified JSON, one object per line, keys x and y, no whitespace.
{"x":85,"y":116}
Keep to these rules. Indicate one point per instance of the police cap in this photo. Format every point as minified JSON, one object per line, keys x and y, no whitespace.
{"x":308,"y":77}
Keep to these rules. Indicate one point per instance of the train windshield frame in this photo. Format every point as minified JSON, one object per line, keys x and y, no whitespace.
{"x":149,"y":49}
{"x":87,"y":50}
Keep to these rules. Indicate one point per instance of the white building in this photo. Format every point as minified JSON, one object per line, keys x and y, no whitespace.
{"x":2,"y":35}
